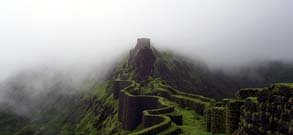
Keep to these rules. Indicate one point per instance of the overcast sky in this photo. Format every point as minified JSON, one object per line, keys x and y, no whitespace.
{"x":222,"y":32}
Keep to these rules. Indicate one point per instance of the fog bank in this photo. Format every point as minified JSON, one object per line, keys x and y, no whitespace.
{"x":82,"y":33}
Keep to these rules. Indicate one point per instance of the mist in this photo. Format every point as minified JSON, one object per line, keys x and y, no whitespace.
{"x":224,"y":32}
{"x":85,"y":36}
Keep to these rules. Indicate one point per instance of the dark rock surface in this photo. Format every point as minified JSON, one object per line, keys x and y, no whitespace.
{"x":143,"y":59}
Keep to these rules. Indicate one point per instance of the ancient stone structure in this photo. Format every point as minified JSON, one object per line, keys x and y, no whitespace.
{"x":195,"y":102}
{"x":119,"y":85}
{"x":254,"y":111}
{"x":271,"y":112}
{"x":208,"y":118}
{"x":248,"y":92}
{"x":232,"y":115}
{"x":217,"y":119}
{"x":150,"y":110}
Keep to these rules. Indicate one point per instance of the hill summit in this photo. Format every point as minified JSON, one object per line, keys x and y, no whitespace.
{"x":142,"y":58}
{"x":148,"y":105}
{"x":157,"y":92}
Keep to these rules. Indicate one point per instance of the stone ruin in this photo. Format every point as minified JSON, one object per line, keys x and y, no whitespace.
{"x":257,"y":111}
{"x":149,"y":110}
{"x":134,"y":107}
{"x":254,"y":111}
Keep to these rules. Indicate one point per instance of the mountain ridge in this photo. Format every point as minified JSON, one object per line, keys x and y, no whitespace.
{"x":181,"y":82}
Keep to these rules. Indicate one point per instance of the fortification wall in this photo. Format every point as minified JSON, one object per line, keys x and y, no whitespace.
{"x":232,"y":115}
{"x":176,"y":118}
{"x":195,"y":102}
{"x":198,"y":106}
{"x":208,"y":116}
{"x":119,"y":85}
{"x":254,"y":111}
{"x":150,"y":110}
{"x":123,"y":98}
{"x":158,"y":120}
{"x":248,"y":92}
{"x":131,"y":108}
{"x":270,"y":113}
{"x":218,"y":120}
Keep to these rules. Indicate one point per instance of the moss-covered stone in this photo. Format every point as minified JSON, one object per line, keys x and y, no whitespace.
{"x":248,"y":92}
{"x":233,"y":115}
{"x":217,"y":120}
{"x":269,"y":112}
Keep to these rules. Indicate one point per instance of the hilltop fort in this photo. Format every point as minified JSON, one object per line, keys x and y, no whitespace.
{"x":150,"y":102}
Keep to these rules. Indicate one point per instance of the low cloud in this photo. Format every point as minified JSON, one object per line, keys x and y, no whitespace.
{"x":79,"y":36}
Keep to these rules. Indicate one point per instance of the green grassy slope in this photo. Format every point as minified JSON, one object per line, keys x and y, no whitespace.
{"x":94,"y":110}
{"x":195,"y":76}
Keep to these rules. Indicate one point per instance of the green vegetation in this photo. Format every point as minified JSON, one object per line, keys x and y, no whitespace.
{"x":10,"y":122}
{"x":70,"y":114}
{"x":192,"y":122}
{"x":280,"y":85}
{"x":160,"y":104}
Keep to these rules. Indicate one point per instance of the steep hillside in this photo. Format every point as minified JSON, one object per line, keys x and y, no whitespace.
{"x":10,"y":122}
{"x":149,"y":92}
{"x":195,"y":77}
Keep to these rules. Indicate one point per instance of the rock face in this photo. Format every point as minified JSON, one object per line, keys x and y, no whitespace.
{"x":143,"y":59}
{"x":142,"y":43}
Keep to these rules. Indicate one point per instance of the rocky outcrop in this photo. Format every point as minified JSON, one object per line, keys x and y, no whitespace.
{"x":142,"y":43}
{"x":142,"y":59}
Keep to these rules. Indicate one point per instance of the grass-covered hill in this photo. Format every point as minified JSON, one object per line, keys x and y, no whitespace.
{"x":196,"y":77}
{"x":149,"y":92}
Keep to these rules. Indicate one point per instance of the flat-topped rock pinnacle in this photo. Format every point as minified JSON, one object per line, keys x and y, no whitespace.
{"x":143,"y":58}
{"x":142,"y":43}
